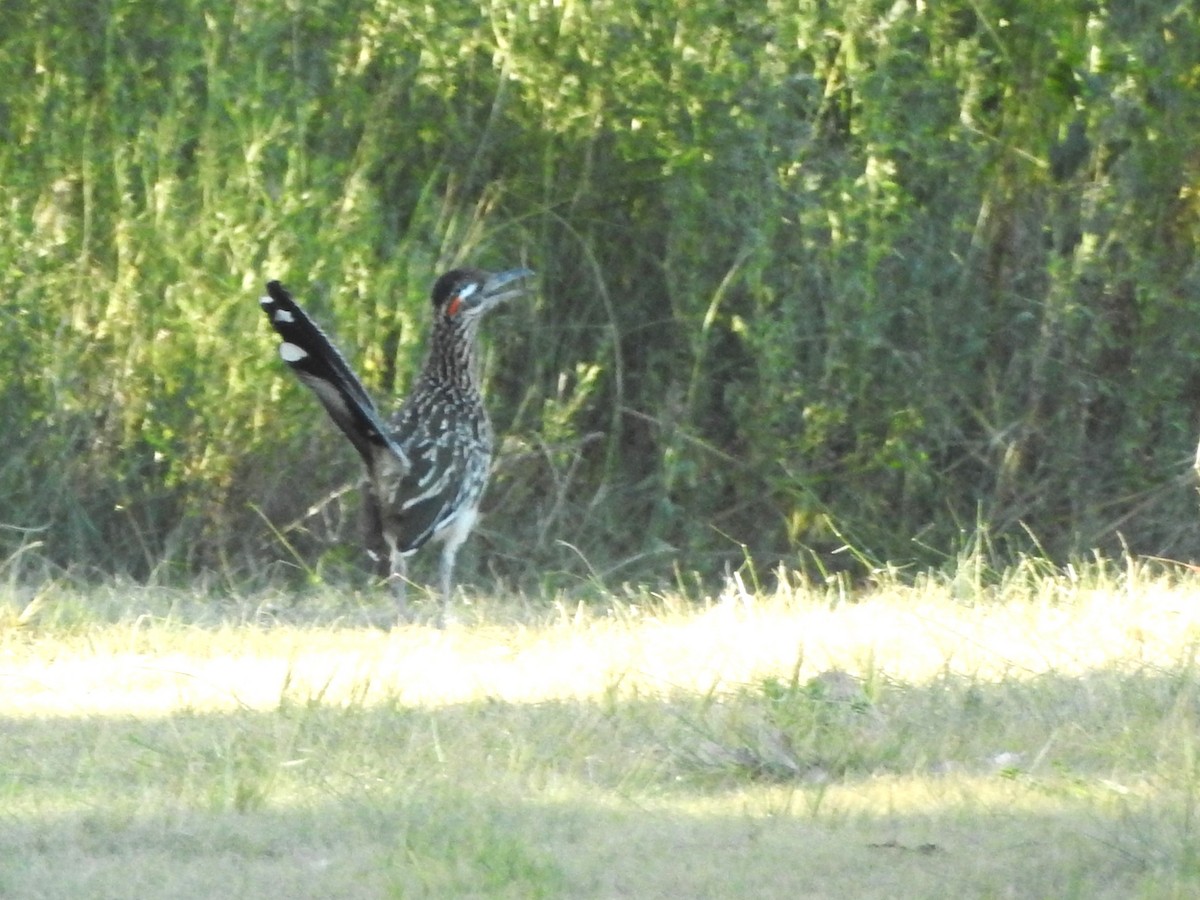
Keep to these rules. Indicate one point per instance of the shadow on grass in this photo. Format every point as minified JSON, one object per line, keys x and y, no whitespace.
{"x":1054,"y":786}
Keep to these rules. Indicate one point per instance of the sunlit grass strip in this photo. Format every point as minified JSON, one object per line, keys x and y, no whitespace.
{"x":144,"y":664}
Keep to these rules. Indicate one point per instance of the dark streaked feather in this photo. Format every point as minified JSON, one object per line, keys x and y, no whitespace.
{"x":325,"y":371}
{"x":443,"y":480}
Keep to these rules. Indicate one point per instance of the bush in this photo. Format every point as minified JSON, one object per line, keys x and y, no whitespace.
{"x":810,"y":276}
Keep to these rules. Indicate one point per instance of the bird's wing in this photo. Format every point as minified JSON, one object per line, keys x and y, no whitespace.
{"x":442,"y":481}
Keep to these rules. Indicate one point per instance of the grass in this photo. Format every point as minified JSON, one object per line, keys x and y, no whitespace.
{"x":1031,"y":734}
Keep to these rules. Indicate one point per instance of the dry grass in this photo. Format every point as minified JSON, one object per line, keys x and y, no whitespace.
{"x":1033,"y":736}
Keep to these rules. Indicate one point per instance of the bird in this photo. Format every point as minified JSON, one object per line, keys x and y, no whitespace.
{"x":428,"y":465}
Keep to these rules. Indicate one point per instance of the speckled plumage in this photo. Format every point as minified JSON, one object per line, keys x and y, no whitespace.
{"x":428,"y":466}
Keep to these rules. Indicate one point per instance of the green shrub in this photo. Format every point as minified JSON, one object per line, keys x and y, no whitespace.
{"x":810,"y":275}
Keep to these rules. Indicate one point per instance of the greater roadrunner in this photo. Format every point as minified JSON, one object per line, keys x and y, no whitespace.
{"x":427,"y":467}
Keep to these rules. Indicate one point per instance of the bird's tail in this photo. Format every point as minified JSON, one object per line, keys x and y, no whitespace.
{"x":318,"y":364}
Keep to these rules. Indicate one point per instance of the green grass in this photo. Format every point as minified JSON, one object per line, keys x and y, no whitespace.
{"x":1032,"y":736}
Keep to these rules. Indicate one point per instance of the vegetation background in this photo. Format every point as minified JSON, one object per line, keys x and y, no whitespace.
{"x":887,"y":275}
{"x":839,"y":286}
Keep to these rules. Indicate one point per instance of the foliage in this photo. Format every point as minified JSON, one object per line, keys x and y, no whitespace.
{"x":812,"y":274}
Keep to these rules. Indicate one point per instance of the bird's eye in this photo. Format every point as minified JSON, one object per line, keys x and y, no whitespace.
{"x":455,"y":303}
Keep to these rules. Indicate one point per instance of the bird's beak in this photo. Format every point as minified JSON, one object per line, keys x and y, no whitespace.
{"x":504,"y":286}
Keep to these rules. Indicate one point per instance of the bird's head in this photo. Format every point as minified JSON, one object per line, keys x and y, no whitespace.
{"x":466,"y":294}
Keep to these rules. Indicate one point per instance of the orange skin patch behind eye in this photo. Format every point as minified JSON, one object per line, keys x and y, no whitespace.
{"x":452,"y":309}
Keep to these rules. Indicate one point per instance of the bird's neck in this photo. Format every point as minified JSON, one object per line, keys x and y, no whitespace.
{"x":453,"y":361}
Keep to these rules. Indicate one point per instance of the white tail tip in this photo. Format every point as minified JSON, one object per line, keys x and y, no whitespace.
{"x":290,"y":353}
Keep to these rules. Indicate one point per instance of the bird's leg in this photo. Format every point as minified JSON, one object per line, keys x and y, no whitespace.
{"x":398,"y":580}
{"x":449,"y":551}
